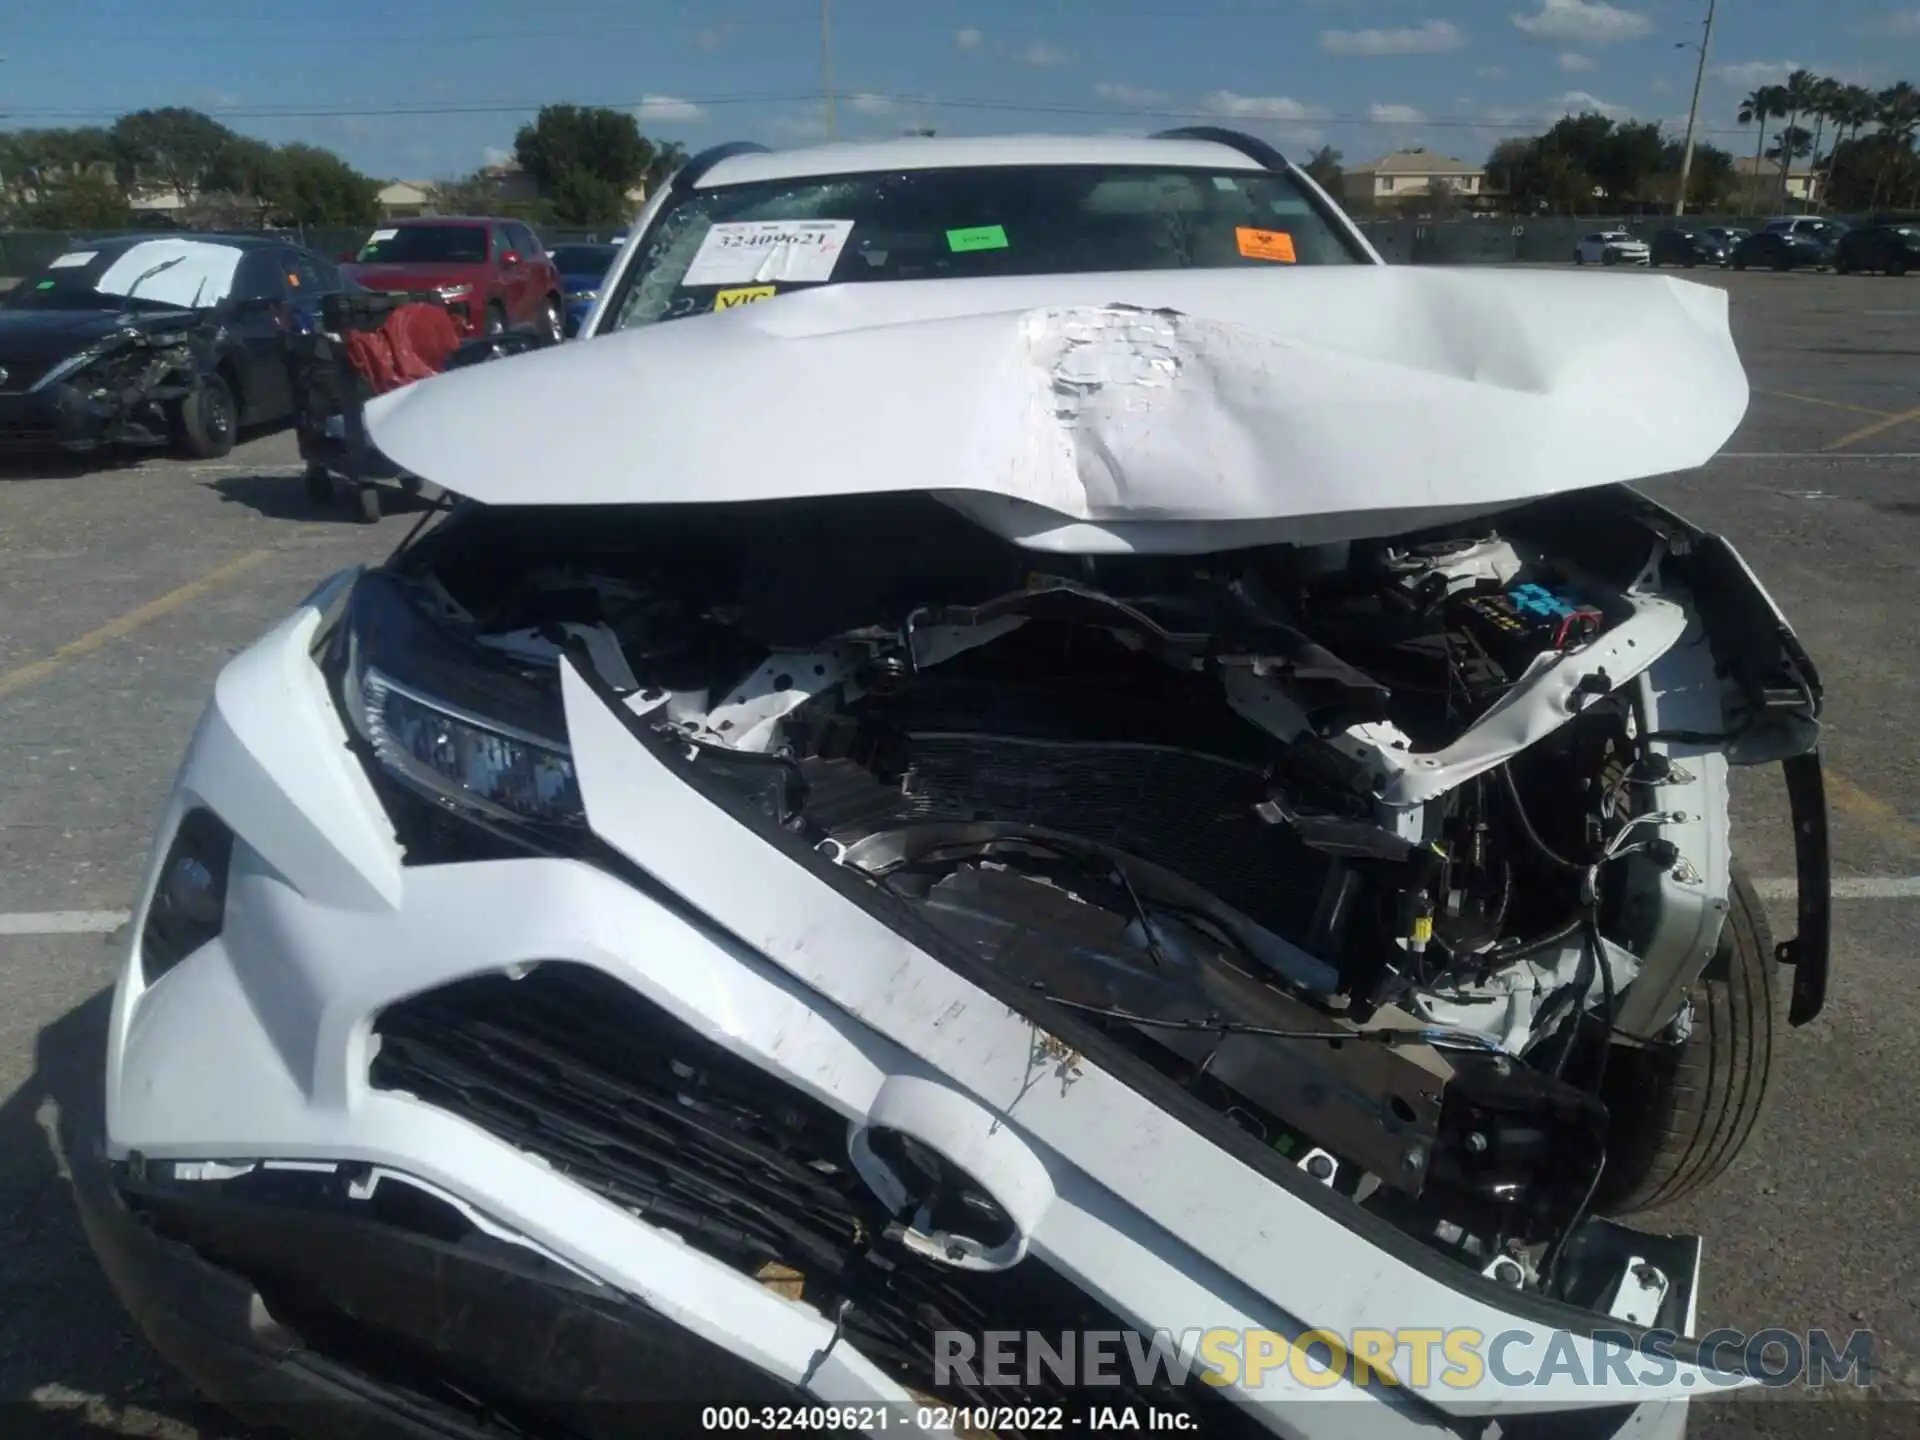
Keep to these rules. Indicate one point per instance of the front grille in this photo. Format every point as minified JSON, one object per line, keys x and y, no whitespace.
{"x":570,"y":1065}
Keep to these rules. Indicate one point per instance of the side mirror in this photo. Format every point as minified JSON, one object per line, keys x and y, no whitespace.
{"x":511,"y":258}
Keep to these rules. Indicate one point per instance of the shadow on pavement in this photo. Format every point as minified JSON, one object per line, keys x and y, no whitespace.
{"x":284,"y":496}
{"x":72,"y":1365}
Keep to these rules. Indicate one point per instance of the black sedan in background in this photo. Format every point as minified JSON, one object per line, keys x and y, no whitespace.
{"x":1890,"y":249}
{"x":1777,"y":250}
{"x":173,"y":339}
{"x":1688,"y":248}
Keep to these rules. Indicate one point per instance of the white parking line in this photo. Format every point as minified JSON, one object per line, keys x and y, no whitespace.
{"x":1849,"y":887}
{"x":63,"y":922}
{"x":102,"y":922}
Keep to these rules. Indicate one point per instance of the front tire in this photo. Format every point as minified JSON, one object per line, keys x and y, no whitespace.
{"x":495,"y":322}
{"x":553,"y":320}
{"x":1680,"y":1114}
{"x":1896,"y":266}
{"x":209,"y":419}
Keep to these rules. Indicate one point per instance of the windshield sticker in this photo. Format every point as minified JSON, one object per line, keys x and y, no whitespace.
{"x":379,"y":235}
{"x":72,"y":260}
{"x":980,"y":237}
{"x":727,"y":299}
{"x":1265,"y":244}
{"x":45,"y":285}
{"x":763,"y":251}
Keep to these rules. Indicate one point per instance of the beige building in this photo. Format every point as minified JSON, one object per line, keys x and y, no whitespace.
{"x":1803,"y":183}
{"x":404,"y":199}
{"x":1407,"y":173}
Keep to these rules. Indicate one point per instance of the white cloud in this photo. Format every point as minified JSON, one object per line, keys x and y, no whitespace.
{"x":1490,"y":72}
{"x":1578,"y":102}
{"x":1131,"y":95}
{"x":1582,"y":22}
{"x":871,"y":102}
{"x":660,"y":108}
{"x":1662,"y":86}
{"x":1752,"y":74}
{"x":1571,"y":62}
{"x":1435,"y":37}
{"x":494,"y":155}
{"x":968,"y":39}
{"x":1038,"y":55}
{"x":1258,"y":107}
{"x":1395,"y":114}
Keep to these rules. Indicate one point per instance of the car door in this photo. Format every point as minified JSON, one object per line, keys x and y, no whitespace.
{"x":535,"y":268}
{"x":511,"y":266}
{"x":257,"y":325}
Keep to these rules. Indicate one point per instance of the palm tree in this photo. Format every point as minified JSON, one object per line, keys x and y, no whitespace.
{"x":1825,"y":103}
{"x":1897,"y":110}
{"x":1758,"y":108}
{"x":1797,"y":95}
{"x":1853,"y":111}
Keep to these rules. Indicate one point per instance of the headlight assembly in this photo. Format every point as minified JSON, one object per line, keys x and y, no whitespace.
{"x":473,"y":731}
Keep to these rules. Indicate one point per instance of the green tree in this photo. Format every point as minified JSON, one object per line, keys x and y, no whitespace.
{"x":1799,"y":95}
{"x":1766,"y":103}
{"x":586,"y":140}
{"x":306,"y":185}
{"x":1324,"y":166}
{"x":85,"y":200}
{"x":30,"y":160}
{"x":171,"y":148}
{"x":1627,"y":159}
{"x":580,"y":198}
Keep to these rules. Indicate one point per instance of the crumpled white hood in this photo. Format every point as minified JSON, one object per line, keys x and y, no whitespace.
{"x":1173,"y":411}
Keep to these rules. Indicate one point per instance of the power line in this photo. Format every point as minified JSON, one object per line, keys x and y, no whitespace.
{"x":1248,"y":110}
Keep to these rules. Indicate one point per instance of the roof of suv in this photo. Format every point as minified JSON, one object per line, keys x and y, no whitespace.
{"x":956,"y":152}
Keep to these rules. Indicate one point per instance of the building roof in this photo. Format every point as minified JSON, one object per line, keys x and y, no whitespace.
{"x":1419,"y":162}
{"x":918,"y":152}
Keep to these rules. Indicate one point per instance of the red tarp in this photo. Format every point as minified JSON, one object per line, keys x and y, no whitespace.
{"x":415,"y":341}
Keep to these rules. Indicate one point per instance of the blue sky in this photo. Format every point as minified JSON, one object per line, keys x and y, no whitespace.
{"x":434,"y":88}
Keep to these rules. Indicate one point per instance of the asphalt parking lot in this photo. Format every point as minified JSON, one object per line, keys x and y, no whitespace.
{"x":124,"y":590}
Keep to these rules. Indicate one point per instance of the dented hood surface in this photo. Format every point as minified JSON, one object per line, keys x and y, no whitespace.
{"x":1174,"y":411}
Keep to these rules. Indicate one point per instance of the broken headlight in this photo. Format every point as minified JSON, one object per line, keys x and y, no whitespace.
{"x":476,"y":732}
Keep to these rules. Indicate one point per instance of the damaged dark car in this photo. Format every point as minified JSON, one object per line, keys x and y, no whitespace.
{"x":174,"y":341}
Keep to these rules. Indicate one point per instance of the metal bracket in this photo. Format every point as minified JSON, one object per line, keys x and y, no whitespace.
{"x":1640,"y":1294}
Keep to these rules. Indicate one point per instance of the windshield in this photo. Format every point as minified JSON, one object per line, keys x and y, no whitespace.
{"x":153,"y":274}
{"x":426,"y":244}
{"x":583,"y":259}
{"x":714,"y":248}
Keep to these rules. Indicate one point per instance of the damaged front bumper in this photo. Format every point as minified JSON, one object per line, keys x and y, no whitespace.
{"x":404,"y":1126}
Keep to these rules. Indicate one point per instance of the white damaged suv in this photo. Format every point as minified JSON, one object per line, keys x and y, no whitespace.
{"x":1033,"y":743}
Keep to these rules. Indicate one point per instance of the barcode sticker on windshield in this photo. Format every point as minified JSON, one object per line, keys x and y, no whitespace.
{"x":72,"y":260}
{"x":769,"y":251}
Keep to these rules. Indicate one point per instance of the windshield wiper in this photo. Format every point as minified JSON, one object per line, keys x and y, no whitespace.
{"x":146,"y":275}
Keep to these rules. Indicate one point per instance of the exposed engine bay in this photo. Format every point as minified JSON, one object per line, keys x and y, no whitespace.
{"x":132,"y":382}
{"x":1379,"y":849}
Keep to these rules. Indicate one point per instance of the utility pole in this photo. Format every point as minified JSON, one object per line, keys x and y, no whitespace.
{"x":826,"y":62}
{"x":1693,"y":113}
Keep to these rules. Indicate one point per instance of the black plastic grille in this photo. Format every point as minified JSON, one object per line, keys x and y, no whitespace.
{"x":570,"y":1065}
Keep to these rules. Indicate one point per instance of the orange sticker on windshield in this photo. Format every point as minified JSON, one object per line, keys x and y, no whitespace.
{"x":727,"y":299}
{"x":1265,"y":244}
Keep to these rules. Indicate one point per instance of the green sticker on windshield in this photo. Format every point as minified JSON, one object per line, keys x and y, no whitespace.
{"x":980,"y":237}
{"x":46,"y":284}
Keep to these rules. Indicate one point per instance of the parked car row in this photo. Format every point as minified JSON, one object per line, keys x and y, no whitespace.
{"x":180,"y":339}
{"x":1792,"y":242}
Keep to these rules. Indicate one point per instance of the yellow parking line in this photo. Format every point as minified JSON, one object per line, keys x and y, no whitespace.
{"x":36,"y":670}
{"x":1849,"y":799}
{"x":1867,"y":432}
{"x":1816,"y":400}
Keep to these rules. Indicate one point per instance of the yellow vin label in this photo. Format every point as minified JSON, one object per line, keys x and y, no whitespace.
{"x":727,"y":299}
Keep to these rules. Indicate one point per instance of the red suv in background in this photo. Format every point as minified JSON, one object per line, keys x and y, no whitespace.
{"x":492,"y":273}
